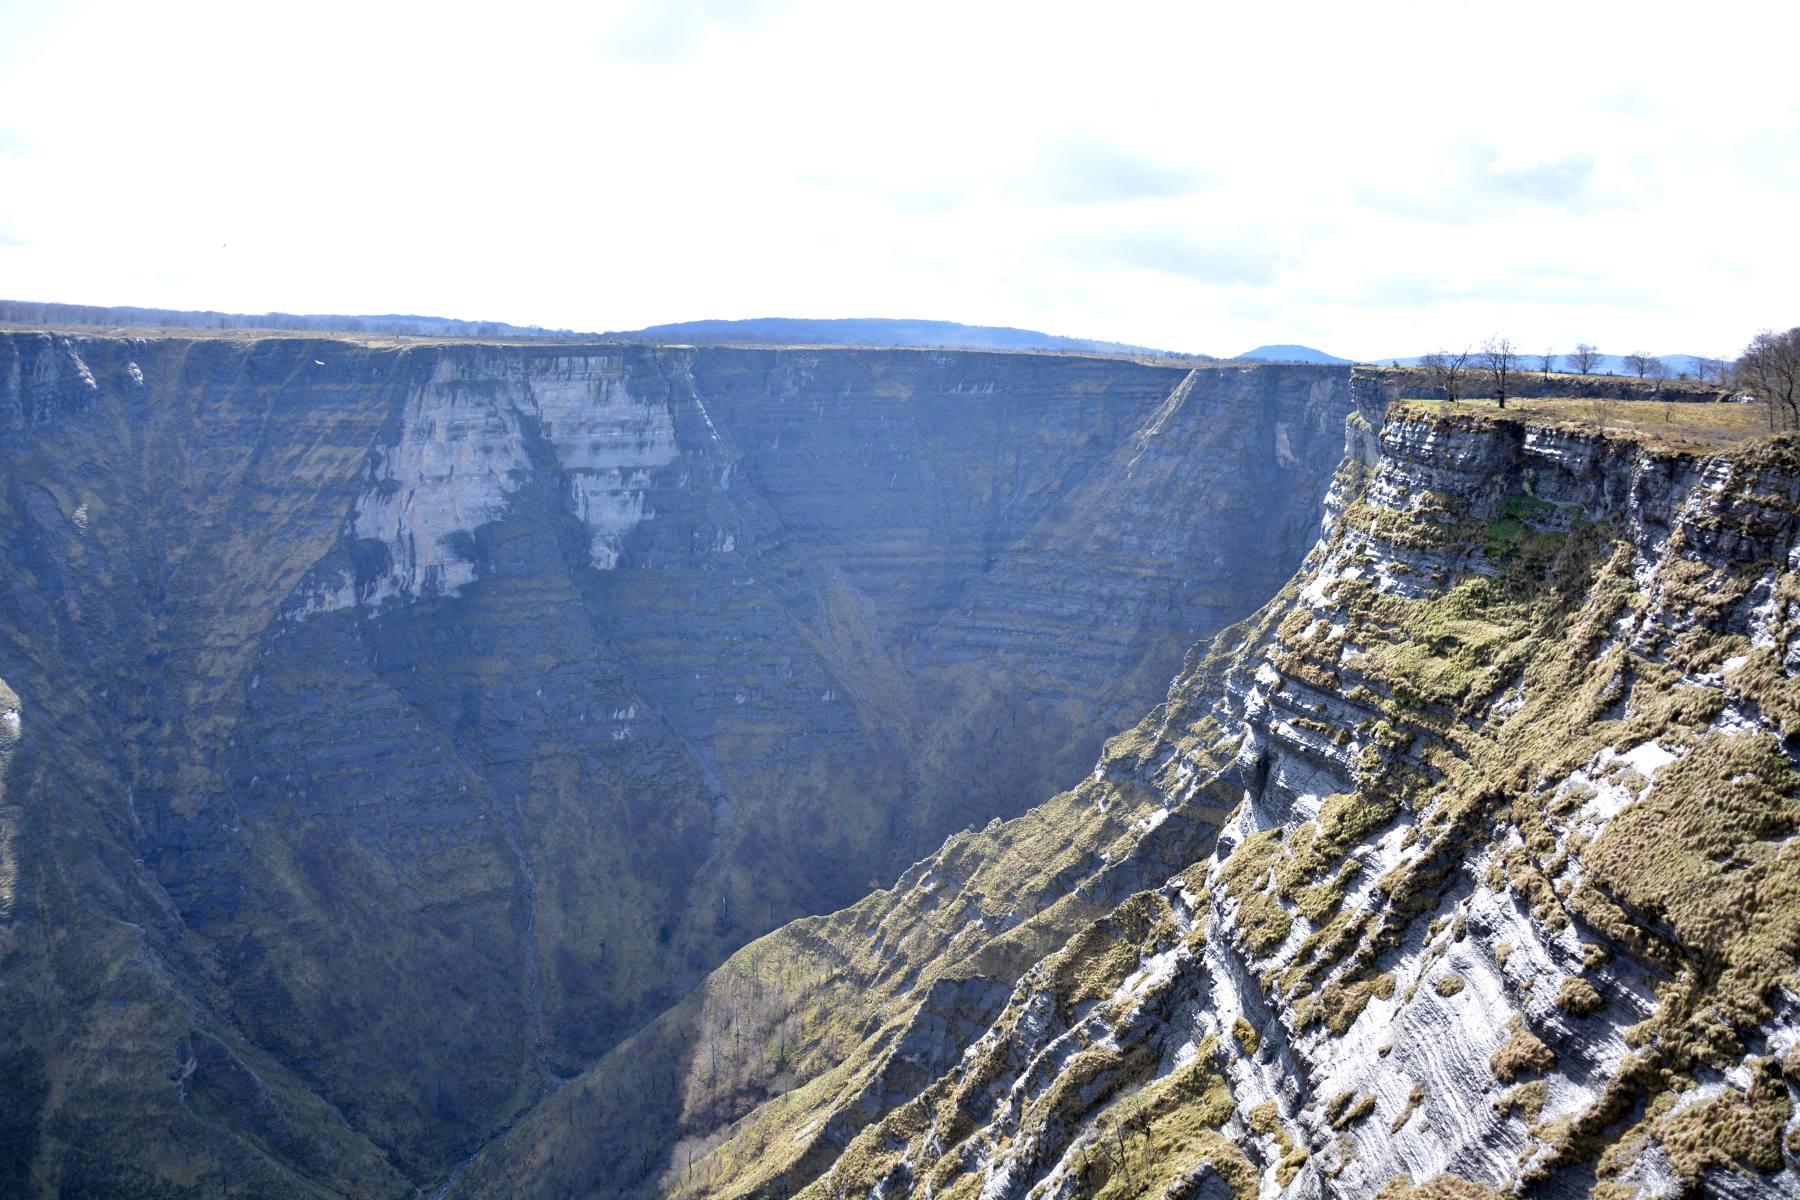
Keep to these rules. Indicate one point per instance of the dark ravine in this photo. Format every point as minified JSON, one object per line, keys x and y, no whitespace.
{"x":396,"y":728}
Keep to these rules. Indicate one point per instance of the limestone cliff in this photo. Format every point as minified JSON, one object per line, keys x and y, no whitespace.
{"x":1465,"y":867}
{"x":388,"y":731}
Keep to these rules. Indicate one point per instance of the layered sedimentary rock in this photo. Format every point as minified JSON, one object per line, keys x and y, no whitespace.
{"x":1465,"y":867}
{"x":388,"y":731}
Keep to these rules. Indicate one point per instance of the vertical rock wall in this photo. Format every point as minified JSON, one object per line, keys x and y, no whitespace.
{"x":408,"y":725}
{"x":1465,"y":868}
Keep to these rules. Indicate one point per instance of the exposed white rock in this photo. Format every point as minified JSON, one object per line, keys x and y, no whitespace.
{"x":1473,"y":953}
{"x":465,"y":445}
{"x":12,"y":727}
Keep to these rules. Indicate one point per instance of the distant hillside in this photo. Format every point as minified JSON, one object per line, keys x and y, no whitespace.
{"x":763,"y":331}
{"x":1291,"y":353}
{"x":877,"y":331}
{"x":63,"y":316}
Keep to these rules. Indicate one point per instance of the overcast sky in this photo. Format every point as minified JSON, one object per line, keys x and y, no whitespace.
{"x":1370,"y":179}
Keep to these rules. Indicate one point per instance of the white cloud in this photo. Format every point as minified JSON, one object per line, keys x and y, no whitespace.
{"x":1084,"y":167}
{"x":674,"y":31}
{"x":1372,"y":178}
{"x":1467,"y":181}
{"x":1182,"y":249}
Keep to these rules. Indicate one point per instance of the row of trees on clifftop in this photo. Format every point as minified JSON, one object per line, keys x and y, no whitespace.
{"x":1768,"y":370}
{"x":1498,"y":360}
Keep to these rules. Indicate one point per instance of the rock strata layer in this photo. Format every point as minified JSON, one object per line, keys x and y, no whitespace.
{"x":1466,"y":867}
{"x":387,"y":732}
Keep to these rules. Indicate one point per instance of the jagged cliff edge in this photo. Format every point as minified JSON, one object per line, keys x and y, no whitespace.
{"x":1465,"y":864}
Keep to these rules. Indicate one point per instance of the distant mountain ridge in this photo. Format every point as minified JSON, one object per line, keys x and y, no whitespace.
{"x":845,"y":331}
{"x":881,"y":331}
{"x":770,"y":331}
{"x":1289,"y":352}
{"x":41,"y":313}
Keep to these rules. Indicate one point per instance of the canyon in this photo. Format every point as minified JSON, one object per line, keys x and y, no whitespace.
{"x":485,"y":770}
{"x":394,"y":729}
{"x":1465,"y":868}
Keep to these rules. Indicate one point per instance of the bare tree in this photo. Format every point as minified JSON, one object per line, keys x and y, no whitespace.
{"x":1447,"y":368}
{"x":1708,"y":370}
{"x":1585,"y":359}
{"x":1500,"y":358}
{"x":1769,"y":369}
{"x":1641,"y":364}
{"x":1547,"y":363}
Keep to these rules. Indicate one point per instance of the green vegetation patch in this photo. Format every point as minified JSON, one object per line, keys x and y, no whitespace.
{"x":1579,"y":998}
{"x":1700,"y":875}
{"x":1161,"y":1133}
{"x":1443,"y":1187}
{"x":1245,"y":878}
{"x":1513,"y":533}
{"x":1520,"y":1054}
{"x":1347,"y":1108}
{"x":1265,"y":1119}
{"x":1414,"y":1098}
{"x":1451,"y":651}
{"x":1527,"y":1100}
{"x":1734,"y":1129}
{"x":1339,"y":1003}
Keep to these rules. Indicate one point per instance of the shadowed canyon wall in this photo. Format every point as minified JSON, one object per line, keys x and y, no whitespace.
{"x":387,"y":732}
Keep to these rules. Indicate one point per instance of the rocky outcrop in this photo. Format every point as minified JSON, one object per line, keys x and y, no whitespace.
{"x":466,"y":441}
{"x":389,"y":738}
{"x":42,"y":377}
{"x":1477,"y":965}
{"x":1466,"y":863}
{"x":399,"y":728}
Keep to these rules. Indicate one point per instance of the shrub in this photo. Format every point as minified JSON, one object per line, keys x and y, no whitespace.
{"x":1578,"y":997}
{"x":1522,"y":1053}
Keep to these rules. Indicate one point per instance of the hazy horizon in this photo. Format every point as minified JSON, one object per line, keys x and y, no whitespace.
{"x":1366,"y":183}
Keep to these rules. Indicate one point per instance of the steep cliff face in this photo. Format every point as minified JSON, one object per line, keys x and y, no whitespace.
{"x":388,"y":731}
{"x":1465,"y":867}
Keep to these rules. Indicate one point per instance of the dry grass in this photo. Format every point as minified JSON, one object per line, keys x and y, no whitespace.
{"x":1663,"y":425}
{"x":1521,"y":1054}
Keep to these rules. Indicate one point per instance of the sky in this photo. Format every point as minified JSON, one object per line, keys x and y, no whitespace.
{"x":1373,"y":179}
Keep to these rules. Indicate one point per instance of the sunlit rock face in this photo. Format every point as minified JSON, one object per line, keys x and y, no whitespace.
{"x":1465,"y":868}
{"x":466,"y":440}
{"x":397,"y":729}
